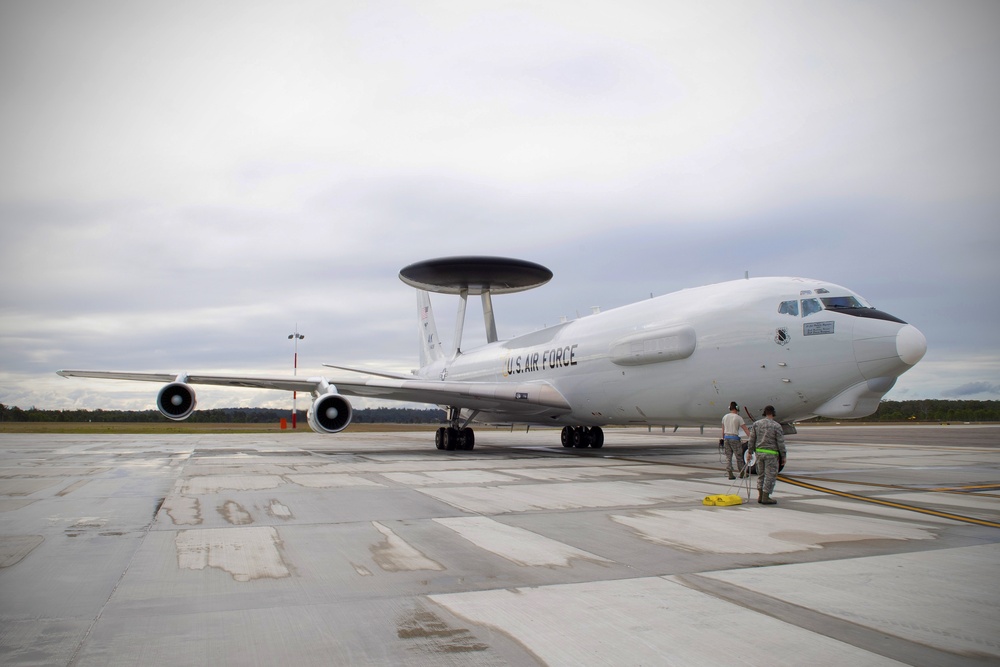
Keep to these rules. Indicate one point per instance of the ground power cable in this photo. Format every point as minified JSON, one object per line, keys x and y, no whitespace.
{"x":888,"y":503}
{"x":821,"y":489}
{"x":742,"y":481}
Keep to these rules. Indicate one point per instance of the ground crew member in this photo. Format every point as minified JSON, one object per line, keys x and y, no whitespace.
{"x":731,"y":425}
{"x":767,"y":440}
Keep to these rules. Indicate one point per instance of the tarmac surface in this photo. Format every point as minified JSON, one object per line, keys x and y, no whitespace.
{"x":377,"y":549}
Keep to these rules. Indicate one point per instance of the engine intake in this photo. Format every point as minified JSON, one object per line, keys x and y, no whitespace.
{"x":176,"y":401}
{"x":330,"y":413}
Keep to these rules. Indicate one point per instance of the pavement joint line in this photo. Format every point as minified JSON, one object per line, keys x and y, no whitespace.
{"x":842,"y":630}
{"x":75,"y":657}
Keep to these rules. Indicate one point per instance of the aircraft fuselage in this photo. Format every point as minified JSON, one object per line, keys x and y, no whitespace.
{"x":679,"y":359}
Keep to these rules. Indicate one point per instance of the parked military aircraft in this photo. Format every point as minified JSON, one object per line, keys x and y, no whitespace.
{"x":807,"y":347}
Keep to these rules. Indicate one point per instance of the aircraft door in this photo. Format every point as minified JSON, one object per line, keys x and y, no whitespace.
{"x":611,"y":405}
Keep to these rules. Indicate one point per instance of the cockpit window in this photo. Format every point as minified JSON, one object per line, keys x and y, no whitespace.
{"x":789,"y":308}
{"x":835,"y":302}
{"x":854,"y":306}
{"x":810,"y":306}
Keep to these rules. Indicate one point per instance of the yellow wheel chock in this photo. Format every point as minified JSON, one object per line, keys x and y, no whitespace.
{"x":723,"y":500}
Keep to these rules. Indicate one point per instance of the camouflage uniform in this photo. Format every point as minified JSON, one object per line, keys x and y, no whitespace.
{"x":768,"y":441}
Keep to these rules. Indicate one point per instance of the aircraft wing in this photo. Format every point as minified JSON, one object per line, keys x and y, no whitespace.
{"x":516,"y":399}
{"x":283,"y":382}
{"x":371,"y":371}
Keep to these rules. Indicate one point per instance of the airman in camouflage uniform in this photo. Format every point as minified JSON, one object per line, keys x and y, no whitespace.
{"x":768,"y":441}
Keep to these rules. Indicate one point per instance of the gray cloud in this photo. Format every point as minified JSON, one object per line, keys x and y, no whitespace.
{"x":174,"y":195}
{"x":972,"y":389}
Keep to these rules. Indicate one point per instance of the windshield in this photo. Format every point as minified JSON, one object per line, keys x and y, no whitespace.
{"x":855,"y":307}
{"x":789,"y":308}
{"x":834,"y":302}
{"x":810,"y":306}
{"x":849,"y":305}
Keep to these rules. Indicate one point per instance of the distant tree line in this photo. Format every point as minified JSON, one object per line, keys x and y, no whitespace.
{"x":928,"y":410}
{"x":936,"y":410}
{"x":218,"y":416}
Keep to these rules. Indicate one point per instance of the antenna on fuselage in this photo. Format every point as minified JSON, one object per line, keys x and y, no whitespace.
{"x":467,"y":275}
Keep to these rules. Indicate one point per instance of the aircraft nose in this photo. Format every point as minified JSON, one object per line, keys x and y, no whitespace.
{"x":911,"y":345}
{"x":886,"y":349}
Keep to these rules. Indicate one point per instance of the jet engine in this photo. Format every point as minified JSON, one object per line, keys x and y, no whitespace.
{"x":176,"y":401}
{"x":330,"y":413}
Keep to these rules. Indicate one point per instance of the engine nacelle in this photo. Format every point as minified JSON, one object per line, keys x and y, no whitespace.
{"x":176,"y":401}
{"x":330,"y":413}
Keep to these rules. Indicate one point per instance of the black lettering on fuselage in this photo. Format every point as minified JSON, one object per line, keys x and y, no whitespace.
{"x":530,"y":362}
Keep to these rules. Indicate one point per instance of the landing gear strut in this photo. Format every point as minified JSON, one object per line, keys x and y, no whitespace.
{"x":455,"y":436}
{"x":452,"y":438}
{"x":582,"y":436}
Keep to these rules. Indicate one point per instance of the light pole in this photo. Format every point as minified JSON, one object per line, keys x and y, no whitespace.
{"x":295,"y":365}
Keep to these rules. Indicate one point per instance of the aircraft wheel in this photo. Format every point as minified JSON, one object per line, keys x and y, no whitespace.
{"x":579,"y":438}
{"x":450,"y":439}
{"x":596,"y":437}
{"x":468,"y":438}
{"x":567,"y":436}
{"x":439,"y":438}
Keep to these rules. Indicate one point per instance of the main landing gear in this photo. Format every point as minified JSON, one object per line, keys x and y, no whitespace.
{"x":582,"y":436}
{"x":458,"y":435}
{"x":454,"y":438}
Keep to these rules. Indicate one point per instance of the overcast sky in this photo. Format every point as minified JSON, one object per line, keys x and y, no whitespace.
{"x":181,"y":183}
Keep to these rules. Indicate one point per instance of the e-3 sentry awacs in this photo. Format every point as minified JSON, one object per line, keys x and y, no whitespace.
{"x":806,"y":346}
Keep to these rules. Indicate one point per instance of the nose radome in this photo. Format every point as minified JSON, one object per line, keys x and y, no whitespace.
{"x":911,"y":345}
{"x":886,"y":349}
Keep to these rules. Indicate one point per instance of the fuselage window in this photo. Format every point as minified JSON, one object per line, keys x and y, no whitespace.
{"x":810,"y":306}
{"x":789,"y":308}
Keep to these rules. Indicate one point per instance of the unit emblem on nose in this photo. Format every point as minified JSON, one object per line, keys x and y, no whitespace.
{"x":781,"y":336}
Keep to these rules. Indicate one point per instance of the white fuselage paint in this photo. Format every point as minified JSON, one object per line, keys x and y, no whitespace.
{"x":679,"y":359}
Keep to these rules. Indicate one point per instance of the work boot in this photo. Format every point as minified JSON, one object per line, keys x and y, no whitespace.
{"x":732,"y":476}
{"x":760,"y":495}
{"x":766,"y":499}
{"x":743,"y":473}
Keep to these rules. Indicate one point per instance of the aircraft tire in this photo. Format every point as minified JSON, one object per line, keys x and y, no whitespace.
{"x":450,"y":439}
{"x":468,"y":438}
{"x":579,"y":438}
{"x":597,"y":437}
{"x":567,"y":436}
{"x":439,"y":438}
